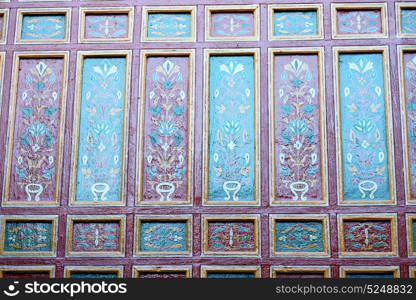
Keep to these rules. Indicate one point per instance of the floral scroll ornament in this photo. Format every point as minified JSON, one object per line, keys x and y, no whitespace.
{"x":410,"y":75}
{"x":36,"y":160}
{"x":231,"y":237}
{"x":28,"y":236}
{"x":359,"y":22}
{"x":299,"y":237}
{"x":299,"y":159}
{"x":166,"y":159}
{"x":367,"y":237}
{"x":96,"y":236}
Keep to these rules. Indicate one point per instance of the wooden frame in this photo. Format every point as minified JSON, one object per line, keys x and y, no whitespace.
{"x":162,"y":269}
{"x":53,"y":219}
{"x":275,"y":270}
{"x":400,"y":6}
{"x":22,"y":12}
{"x":10,"y":132}
{"x":84,"y":12}
{"x":335,"y":7}
{"x":147,"y":10}
{"x":390,"y":217}
{"x":411,"y":243}
{"x":324,"y":219}
{"x":205,"y":177}
{"x":144,"y":54}
{"x":72,"y":219}
{"x":76,"y":124}
{"x":384,"y":51}
{"x":273,"y":52}
{"x":344,"y":270}
{"x":187,"y":219}
{"x":255,"y":219}
{"x":272,"y":8}
{"x":212,"y":9}
{"x":68,"y":270}
{"x":29,"y":269}
{"x":4,"y":13}
{"x":255,"y":270}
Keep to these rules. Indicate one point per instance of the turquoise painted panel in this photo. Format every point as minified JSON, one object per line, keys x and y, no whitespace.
{"x":169,"y":25}
{"x":43,"y":27}
{"x":163,"y":236}
{"x":93,"y":275}
{"x":369,"y":275}
{"x":295,"y":23}
{"x":363,"y":127}
{"x":231,"y":129}
{"x":230,"y":275}
{"x":408,"y":21}
{"x":28,"y":236}
{"x":299,"y":236}
{"x":100,"y":151}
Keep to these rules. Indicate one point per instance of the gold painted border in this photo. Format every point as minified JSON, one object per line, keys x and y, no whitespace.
{"x":325,"y":270}
{"x":71,"y":219}
{"x":68,"y":270}
{"x":344,"y":270}
{"x":400,"y":6}
{"x":53,"y":219}
{"x":335,"y":7}
{"x":168,"y":218}
{"x":411,"y":243}
{"x":302,"y":218}
{"x":412,"y":271}
{"x":84,"y":11}
{"x":81,"y":55}
{"x":391,"y":217}
{"x":384,"y":51}
{"x":296,"y":7}
{"x":21,"y":12}
{"x":144,"y":54}
{"x":136,"y":269}
{"x":5,"y":15}
{"x":12,"y":116}
{"x":205,"y":270}
{"x":319,"y":52}
{"x":255,"y":53}
{"x":255,"y":218}
{"x":146,"y":10}
{"x":29,"y":269}
{"x":401,"y":50}
{"x":211,"y":9}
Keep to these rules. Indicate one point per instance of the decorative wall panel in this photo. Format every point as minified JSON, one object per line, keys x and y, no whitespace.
{"x":369,"y":272}
{"x":300,"y":272}
{"x":230,"y":272}
{"x":27,"y":271}
{"x":405,"y":19}
{"x":93,"y":272}
{"x":162,"y":271}
{"x":4,"y":19}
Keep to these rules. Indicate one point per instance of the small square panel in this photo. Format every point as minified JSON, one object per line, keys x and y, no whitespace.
{"x":230,"y":272}
{"x":27,"y":272}
{"x":4,"y":14}
{"x":163,"y":235}
{"x":299,"y":235}
{"x":231,"y":23}
{"x":98,"y":272}
{"x":159,"y":272}
{"x":96,"y":235}
{"x":235,"y":235}
{"x":359,"y":21}
{"x":295,"y":22}
{"x":406,"y":19}
{"x":43,"y":26}
{"x":107,"y":25}
{"x":168,"y":23}
{"x":369,"y":272}
{"x":300,"y":272}
{"x":33,"y":235}
{"x":367,"y":235}
{"x":411,"y":234}
{"x":412,"y":271}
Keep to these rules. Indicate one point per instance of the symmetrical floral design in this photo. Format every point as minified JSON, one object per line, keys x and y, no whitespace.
{"x":363,"y":130}
{"x":108,"y":26}
{"x":299,"y":236}
{"x":231,"y":129}
{"x":166,"y":130}
{"x":100,"y":143}
{"x":367,"y":236}
{"x":43,"y":27}
{"x":297,"y":133}
{"x":28,"y":236}
{"x":295,"y":23}
{"x":231,"y":236}
{"x":163,"y":236}
{"x":232,"y":24}
{"x":169,"y":25}
{"x":359,"y":21}
{"x":37,"y":130}
{"x":408,"y":21}
{"x":95,"y":236}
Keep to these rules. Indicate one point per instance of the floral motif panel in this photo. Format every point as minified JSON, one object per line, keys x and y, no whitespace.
{"x":365,"y":155}
{"x":297,"y":129}
{"x":232,"y":24}
{"x":35,"y":149}
{"x":367,"y":236}
{"x":169,"y":25}
{"x":166,"y":131}
{"x":359,"y":21}
{"x":163,"y":236}
{"x":295,"y":23}
{"x":100,"y":141}
{"x":234,"y":236}
{"x":106,"y":26}
{"x":231,"y":166}
{"x":43,"y":27}
{"x":29,"y":236}
{"x":408,"y":21}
